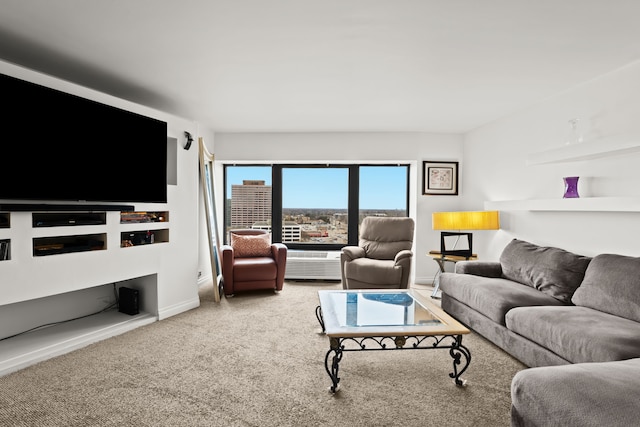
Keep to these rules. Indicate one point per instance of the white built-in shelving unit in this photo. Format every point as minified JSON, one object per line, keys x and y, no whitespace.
{"x":44,"y":239}
{"x":66,"y":262}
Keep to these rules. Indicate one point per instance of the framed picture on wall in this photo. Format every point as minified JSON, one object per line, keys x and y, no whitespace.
{"x":439,"y":178}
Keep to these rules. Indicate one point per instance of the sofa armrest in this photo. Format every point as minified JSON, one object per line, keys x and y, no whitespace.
{"x":279,"y":253}
{"x":352,"y":252}
{"x":347,"y":254}
{"x":479,"y":268}
{"x":403,"y":254}
{"x":226,"y":253}
{"x":403,"y":259}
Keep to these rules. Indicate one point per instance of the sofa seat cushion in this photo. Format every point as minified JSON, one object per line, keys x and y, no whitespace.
{"x":611,"y":284}
{"x":373,"y":271}
{"x":492,"y":297}
{"x":254,"y":269}
{"x":554,"y":271}
{"x":586,"y":394}
{"x":577,"y":334}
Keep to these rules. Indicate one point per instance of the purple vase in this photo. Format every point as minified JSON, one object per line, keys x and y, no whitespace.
{"x":571,"y":187}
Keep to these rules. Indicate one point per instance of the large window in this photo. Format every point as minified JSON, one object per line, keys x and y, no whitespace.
{"x":315,"y":200}
{"x":313,"y":206}
{"x":248,"y":197}
{"x":383,"y":190}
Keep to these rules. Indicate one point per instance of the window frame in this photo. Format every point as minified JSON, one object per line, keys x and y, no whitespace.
{"x":353,"y":204}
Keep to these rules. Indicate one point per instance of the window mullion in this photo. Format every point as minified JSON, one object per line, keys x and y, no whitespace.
{"x":354,"y":205}
{"x":276,"y":203}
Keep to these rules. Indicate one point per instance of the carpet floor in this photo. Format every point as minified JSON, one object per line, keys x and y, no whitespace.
{"x":254,"y":360}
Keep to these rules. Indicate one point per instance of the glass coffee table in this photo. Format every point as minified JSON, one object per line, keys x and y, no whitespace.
{"x":369,"y":320}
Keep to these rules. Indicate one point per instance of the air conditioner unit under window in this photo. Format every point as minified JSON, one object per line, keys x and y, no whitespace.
{"x":318,"y":265}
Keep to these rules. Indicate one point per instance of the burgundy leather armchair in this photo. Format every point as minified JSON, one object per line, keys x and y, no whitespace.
{"x":252,"y":262}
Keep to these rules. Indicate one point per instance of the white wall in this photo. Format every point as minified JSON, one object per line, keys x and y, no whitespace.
{"x":335,"y":147}
{"x":495,"y":167}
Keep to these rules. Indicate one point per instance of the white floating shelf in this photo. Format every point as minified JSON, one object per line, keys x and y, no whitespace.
{"x":585,"y":204}
{"x":599,"y":148}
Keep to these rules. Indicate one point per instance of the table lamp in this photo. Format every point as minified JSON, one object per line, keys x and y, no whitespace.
{"x":469,"y":220}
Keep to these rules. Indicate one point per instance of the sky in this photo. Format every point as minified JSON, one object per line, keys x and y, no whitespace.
{"x":381,"y":187}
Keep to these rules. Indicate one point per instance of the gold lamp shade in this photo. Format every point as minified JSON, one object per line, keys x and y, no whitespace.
{"x":469,"y":220}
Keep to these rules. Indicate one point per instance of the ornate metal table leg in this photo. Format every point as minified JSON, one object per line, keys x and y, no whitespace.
{"x":336,"y":349}
{"x":319,"y":317}
{"x":456,"y":351}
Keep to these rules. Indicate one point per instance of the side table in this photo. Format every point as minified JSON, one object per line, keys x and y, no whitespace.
{"x":441,"y":260}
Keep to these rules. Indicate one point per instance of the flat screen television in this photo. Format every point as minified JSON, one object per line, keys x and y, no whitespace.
{"x":59,"y":147}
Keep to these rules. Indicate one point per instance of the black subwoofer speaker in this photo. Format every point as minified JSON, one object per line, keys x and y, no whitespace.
{"x":129,"y":301}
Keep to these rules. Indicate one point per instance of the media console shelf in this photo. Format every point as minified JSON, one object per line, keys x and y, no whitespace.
{"x":43,"y":246}
{"x":143,"y":217}
{"x":61,"y":219}
{"x":5,"y":244}
{"x":152,"y":233}
{"x":5,"y":219}
{"x":147,"y":237}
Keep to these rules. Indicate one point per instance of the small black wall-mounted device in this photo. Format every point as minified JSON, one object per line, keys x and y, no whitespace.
{"x":189,"y":138}
{"x":129,"y":301}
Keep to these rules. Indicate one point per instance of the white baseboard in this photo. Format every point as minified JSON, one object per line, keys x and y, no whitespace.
{"x":428,"y":280}
{"x":205,"y":280}
{"x":178,"y":308}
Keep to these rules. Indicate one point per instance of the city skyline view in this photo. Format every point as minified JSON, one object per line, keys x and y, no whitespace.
{"x":315,"y":200}
{"x":381,"y":187}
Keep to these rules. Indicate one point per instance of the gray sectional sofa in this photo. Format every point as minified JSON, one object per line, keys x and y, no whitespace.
{"x":574,"y":320}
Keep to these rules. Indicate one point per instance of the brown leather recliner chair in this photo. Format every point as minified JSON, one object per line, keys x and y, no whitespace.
{"x":383,"y":256}
{"x":252,"y":262}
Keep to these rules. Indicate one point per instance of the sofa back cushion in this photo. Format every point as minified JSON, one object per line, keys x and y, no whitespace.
{"x":612,"y":285}
{"x":554,"y":271}
{"x":384,"y":237}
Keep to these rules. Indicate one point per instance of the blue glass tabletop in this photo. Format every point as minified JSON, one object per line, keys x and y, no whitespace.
{"x":374,"y":309}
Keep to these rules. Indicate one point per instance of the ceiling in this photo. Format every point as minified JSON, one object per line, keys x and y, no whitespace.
{"x":325,"y":65}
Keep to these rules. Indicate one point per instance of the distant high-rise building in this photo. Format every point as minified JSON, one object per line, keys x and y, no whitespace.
{"x":250,"y":203}
{"x":291,"y":232}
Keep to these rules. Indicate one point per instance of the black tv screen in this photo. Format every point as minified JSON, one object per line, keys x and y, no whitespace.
{"x":55,"y":146}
